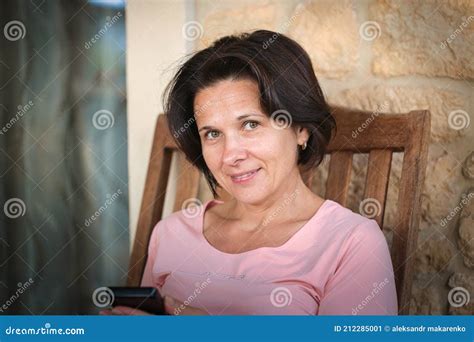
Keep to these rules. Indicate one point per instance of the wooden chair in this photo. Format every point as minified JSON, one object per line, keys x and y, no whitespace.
{"x":382,"y":135}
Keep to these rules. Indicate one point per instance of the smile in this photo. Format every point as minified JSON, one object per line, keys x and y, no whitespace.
{"x":244,"y":177}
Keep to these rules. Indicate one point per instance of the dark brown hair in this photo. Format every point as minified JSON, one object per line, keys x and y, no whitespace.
{"x":286,"y":80}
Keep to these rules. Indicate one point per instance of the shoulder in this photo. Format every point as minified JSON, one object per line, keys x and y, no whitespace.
{"x":355,"y":243}
{"x":188,"y":220}
{"x":350,"y":225}
{"x":360,"y":240}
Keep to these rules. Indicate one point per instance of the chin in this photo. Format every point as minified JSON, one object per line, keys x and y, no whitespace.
{"x":250,"y":196}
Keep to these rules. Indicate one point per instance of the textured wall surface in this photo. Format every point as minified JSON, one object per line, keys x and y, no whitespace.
{"x":392,"y":56}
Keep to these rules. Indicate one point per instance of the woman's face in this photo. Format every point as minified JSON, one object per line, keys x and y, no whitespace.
{"x":249,"y":155}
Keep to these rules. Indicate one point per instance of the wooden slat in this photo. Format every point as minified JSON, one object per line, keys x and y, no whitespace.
{"x":152,"y":200}
{"x":339,"y":176}
{"x":409,"y":206}
{"x":376,"y":183}
{"x":362,"y":132}
{"x":188,"y":182}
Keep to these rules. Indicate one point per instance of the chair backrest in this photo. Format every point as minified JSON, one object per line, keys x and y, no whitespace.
{"x":379,"y":135}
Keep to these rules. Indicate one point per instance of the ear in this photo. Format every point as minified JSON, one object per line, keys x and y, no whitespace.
{"x":302,"y":134}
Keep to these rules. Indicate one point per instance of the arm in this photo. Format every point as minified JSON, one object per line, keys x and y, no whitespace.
{"x":147,"y":279}
{"x":171,"y":305}
{"x":363,"y":281}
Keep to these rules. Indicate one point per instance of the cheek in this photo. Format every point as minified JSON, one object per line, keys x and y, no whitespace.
{"x":276,"y":149}
{"x":280,"y":147}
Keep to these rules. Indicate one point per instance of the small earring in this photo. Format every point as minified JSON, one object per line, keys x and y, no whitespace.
{"x":303,"y":147}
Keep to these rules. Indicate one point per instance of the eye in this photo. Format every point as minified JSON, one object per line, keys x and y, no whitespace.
{"x":251,"y":125}
{"x":211,"y":135}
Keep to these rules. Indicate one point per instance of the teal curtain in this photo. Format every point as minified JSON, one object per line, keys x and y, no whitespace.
{"x":63,"y":155}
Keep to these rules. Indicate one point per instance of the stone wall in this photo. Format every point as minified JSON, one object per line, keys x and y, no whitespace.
{"x":392,"y":56}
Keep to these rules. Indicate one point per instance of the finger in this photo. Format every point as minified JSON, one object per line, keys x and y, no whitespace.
{"x":125,"y":310}
{"x":108,"y":312}
{"x":190,"y":311}
{"x":175,"y":307}
{"x":170,"y":306}
{"x":105,"y":312}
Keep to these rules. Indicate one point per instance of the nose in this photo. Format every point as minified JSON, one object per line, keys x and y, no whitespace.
{"x":234,"y":151}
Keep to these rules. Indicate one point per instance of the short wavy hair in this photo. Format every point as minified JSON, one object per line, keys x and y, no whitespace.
{"x":286,"y":82}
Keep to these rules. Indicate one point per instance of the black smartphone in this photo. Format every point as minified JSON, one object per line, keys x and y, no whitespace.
{"x":143,"y":298}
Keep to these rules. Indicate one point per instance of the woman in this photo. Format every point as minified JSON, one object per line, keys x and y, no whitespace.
{"x":248,"y":112}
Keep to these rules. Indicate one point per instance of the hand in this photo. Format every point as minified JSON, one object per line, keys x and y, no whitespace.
{"x":175,"y":307}
{"x":123,"y":311}
{"x":172,"y":307}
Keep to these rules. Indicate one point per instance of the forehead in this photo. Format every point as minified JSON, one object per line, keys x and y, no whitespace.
{"x":227,"y":97}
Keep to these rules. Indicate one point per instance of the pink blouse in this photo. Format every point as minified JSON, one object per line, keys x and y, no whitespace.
{"x":338,"y":263}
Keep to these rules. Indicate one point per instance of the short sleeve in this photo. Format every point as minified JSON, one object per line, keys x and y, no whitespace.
{"x":363,"y":281}
{"x":147,"y":279}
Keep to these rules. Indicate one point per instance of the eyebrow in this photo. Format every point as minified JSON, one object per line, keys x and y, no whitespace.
{"x":239,"y":118}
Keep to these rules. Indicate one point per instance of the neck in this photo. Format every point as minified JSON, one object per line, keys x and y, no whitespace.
{"x":290,"y":201}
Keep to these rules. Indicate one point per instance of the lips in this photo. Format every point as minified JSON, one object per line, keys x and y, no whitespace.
{"x":244,"y":176}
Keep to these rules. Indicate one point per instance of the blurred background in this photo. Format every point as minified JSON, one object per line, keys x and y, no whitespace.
{"x":80,"y":90}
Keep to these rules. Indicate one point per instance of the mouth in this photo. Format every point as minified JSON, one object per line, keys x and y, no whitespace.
{"x":244,"y":177}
